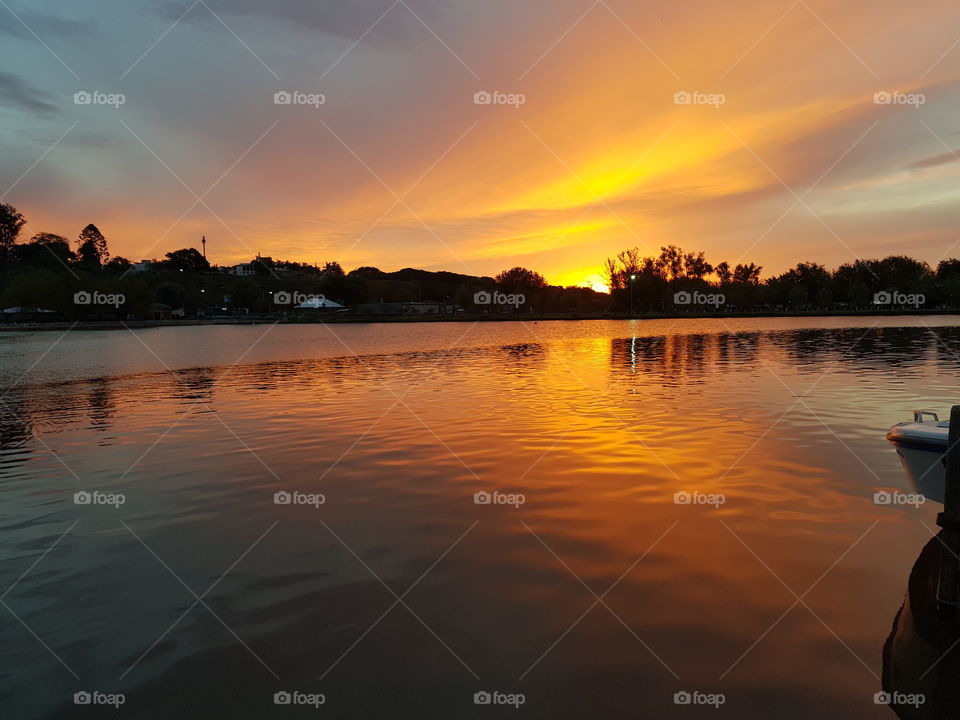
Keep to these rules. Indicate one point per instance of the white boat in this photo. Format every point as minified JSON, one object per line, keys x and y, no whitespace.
{"x":922,"y":446}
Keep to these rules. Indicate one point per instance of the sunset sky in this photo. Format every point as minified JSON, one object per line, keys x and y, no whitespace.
{"x":400,"y":168}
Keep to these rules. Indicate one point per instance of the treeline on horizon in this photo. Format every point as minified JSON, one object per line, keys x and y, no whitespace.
{"x":45,"y":272}
{"x":652,"y":283}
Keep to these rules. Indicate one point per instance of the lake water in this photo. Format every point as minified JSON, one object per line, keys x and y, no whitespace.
{"x":583,"y":588}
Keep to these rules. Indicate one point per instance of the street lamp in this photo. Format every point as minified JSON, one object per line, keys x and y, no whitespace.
{"x":632,"y":278}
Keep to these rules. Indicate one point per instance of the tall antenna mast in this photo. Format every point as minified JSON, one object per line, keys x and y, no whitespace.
{"x":203,"y":241}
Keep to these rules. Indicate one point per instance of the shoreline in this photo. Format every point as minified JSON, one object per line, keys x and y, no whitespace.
{"x":462,"y":317}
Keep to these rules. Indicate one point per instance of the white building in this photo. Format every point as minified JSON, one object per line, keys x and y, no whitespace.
{"x":243,"y":269}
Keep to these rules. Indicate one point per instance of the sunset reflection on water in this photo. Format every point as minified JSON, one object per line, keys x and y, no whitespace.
{"x":598,"y":596}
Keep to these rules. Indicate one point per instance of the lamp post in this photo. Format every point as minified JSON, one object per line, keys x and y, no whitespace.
{"x":632,"y":278}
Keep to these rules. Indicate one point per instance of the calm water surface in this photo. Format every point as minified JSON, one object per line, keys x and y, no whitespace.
{"x":399,"y":595}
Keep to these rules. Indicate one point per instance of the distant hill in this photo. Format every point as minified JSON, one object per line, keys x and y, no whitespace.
{"x":415,"y":275}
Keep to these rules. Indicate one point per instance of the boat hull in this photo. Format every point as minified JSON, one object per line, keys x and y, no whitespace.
{"x":922,"y":447}
{"x":924,"y":469}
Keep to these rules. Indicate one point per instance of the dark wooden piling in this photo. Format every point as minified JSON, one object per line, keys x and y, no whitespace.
{"x":949,"y":520}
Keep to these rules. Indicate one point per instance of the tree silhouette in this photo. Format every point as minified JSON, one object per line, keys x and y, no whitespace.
{"x":186,"y":260}
{"x":948,"y":278}
{"x":11,"y":223}
{"x":332,"y":268}
{"x":724,"y":273}
{"x":672,"y":261}
{"x":520,"y":279}
{"x":118,"y":264}
{"x":46,"y":250}
{"x":92,"y":247}
{"x":747,"y":274}
{"x":696,"y":266}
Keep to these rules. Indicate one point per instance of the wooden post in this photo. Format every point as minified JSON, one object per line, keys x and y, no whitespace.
{"x":949,"y":520}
